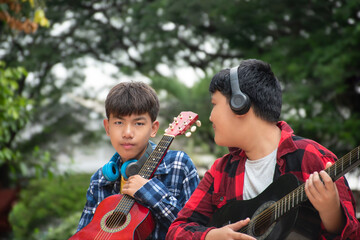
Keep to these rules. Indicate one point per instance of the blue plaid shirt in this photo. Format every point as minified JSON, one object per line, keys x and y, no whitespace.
{"x":165,"y":194}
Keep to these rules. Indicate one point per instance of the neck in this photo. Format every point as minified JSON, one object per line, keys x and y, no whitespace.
{"x":265,"y":139}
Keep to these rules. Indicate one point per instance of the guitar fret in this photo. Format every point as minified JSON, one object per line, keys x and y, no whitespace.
{"x":302,"y":195}
{"x":350,"y":157}
{"x":297,"y":196}
{"x":288,"y":205}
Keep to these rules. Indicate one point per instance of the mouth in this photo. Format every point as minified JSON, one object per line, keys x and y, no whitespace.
{"x":127,"y":145}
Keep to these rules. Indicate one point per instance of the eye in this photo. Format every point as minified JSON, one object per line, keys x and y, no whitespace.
{"x":139,"y":123}
{"x":118,"y":122}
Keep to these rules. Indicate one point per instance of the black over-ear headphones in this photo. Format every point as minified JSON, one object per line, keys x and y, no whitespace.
{"x":240,"y":102}
{"x":129,"y":168}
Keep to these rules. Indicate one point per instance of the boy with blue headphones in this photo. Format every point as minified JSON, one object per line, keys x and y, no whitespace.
{"x":245,"y":116}
{"x":131,"y":110}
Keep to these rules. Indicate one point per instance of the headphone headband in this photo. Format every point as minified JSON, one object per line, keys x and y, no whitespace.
{"x":239,"y":102}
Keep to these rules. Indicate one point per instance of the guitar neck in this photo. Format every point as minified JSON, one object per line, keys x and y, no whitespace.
{"x":337,"y":170}
{"x":155,"y":157}
{"x":345,"y":164}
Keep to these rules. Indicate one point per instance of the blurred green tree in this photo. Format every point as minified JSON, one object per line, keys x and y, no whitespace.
{"x":312,"y":46}
{"x":15,"y":108}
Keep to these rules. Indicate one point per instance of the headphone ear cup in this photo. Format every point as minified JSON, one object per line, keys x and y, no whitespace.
{"x":125,"y":168}
{"x":240,"y":103}
{"x":110,"y":171}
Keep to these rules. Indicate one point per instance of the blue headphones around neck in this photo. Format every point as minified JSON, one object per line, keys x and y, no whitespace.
{"x":129,"y":168}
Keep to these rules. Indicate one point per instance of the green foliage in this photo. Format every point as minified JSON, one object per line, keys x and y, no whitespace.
{"x":44,"y":202}
{"x":14,"y":114}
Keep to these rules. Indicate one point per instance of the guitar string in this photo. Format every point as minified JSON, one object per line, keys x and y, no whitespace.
{"x":158,"y":152}
{"x":123,"y":204}
{"x":281,"y":205}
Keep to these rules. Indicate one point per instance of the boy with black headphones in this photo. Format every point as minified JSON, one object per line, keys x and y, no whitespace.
{"x":261,"y":149}
{"x":131,"y":110}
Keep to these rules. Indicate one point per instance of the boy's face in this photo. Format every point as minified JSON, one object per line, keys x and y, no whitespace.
{"x":129,"y":135}
{"x":224,"y":121}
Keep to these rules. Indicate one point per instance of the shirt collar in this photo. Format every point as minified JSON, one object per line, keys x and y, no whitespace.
{"x":286,"y":144}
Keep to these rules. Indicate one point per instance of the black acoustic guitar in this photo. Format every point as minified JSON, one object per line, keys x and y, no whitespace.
{"x":282,"y":210}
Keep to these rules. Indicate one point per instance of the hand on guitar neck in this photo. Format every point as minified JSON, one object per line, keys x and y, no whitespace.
{"x":323,"y":195}
{"x":133,"y":184}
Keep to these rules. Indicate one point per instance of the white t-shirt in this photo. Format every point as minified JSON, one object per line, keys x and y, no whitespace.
{"x":259,"y":175}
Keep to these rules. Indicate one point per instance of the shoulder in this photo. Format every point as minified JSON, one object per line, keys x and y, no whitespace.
{"x":297,"y":145}
{"x":312,"y":147}
{"x":177,"y":156}
{"x":176,"y":163}
{"x":220,"y":164}
{"x":98,"y":180}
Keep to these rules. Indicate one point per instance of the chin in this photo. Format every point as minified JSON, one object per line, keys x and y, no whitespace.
{"x":219,"y":142}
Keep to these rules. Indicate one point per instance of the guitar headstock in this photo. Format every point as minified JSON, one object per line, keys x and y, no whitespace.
{"x":182,"y":123}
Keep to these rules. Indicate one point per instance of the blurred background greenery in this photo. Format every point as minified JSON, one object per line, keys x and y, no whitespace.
{"x":50,"y":107}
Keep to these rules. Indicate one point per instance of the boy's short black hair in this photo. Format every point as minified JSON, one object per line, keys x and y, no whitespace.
{"x":128,"y":98}
{"x":257,"y":80}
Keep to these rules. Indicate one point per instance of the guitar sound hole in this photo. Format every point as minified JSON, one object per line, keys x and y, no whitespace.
{"x":115,"y":220}
{"x":263,"y":225}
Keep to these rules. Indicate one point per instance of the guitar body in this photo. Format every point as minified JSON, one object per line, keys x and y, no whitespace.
{"x":301,"y":222}
{"x":109,"y":224}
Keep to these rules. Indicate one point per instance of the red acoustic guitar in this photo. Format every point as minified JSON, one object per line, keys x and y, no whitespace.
{"x":119,"y":216}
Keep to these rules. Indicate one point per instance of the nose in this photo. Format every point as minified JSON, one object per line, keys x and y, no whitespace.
{"x":128,"y":131}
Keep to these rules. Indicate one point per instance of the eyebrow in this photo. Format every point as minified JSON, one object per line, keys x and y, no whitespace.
{"x":135,"y":119}
{"x":140,"y":118}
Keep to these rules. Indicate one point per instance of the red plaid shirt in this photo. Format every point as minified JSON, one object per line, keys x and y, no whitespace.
{"x":225,"y":180}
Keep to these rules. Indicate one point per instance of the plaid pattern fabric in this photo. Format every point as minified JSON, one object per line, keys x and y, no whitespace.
{"x":225,"y":180}
{"x":165,"y":194}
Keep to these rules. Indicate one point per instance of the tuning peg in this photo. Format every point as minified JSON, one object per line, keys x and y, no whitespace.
{"x":198,"y":123}
{"x":187,"y":134}
{"x":193,"y":129}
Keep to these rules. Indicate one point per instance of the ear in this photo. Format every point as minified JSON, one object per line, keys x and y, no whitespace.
{"x":154,"y":128}
{"x":106,"y":126}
